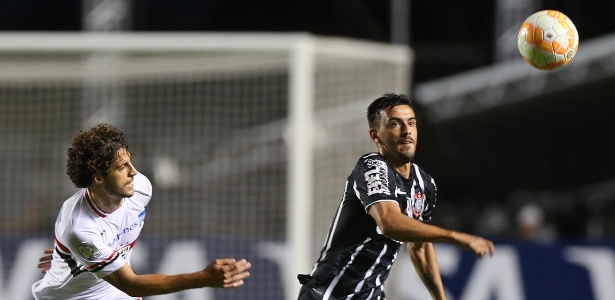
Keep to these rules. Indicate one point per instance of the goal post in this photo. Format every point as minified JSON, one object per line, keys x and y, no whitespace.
{"x":309,"y":117}
{"x":246,"y":137}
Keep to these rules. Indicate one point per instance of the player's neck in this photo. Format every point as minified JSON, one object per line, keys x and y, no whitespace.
{"x":103,"y":200}
{"x":404,"y":170}
{"x":402,"y":167}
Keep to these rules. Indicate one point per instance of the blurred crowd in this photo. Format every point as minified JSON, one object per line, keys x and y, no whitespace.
{"x":542,"y":217}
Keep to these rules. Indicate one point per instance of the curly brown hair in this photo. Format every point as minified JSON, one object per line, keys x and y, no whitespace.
{"x":93,"y":151}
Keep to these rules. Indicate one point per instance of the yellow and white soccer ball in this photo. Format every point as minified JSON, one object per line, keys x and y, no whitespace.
{"x":548,"y":39}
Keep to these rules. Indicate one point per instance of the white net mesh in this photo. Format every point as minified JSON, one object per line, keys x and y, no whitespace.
{"x":208,"y":126}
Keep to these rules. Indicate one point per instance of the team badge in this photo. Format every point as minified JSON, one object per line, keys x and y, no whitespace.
{"x":89,"y":251}
{"x":418,"y":204}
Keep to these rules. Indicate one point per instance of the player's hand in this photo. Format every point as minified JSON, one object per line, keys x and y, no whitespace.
{"x":481,"y":247}
{"x":478,"y":245}
{"x":44,"y":263}
{"x":226,"y":273}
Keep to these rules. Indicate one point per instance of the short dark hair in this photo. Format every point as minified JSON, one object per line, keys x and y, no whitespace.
{"x":93,"y":151}
{"x":384,"y":102}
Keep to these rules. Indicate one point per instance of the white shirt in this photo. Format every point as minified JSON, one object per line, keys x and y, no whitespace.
{"x":91,"y":244}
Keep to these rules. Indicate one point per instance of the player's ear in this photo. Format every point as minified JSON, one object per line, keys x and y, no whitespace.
{"x":97,"y":178}
{"x":373,"y":134}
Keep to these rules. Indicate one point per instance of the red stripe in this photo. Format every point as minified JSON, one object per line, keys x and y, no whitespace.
{"x":102,"y":262}
{"x":91,"y":203}
{"x":62,"y":247}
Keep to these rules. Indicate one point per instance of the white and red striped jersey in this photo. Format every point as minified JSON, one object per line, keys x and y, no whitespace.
{"x":91,"y":244}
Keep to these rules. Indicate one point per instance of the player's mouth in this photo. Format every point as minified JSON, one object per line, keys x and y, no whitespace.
{"x":407,"y":141}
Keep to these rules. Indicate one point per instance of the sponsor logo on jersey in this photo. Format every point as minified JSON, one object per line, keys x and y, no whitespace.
{"x":118,"y":236}
{"x":89,"y":251}
{"x":123,"y":251}
{"x":377,"y":177}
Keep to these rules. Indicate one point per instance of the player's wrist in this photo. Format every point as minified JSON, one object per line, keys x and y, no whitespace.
{"x":455,"y":237}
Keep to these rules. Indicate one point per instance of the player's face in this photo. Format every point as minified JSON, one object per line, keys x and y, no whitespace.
{"x":118,"y":181}
{"x":397,"y":135}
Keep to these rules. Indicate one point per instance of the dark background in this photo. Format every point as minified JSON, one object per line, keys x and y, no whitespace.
{"x":448,"y":36}
{"x":559,"y":143}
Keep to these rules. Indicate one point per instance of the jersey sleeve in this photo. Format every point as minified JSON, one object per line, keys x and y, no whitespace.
{"x":375,"y":182}
{"x":89,"y":250}
{"x":143,"y":189}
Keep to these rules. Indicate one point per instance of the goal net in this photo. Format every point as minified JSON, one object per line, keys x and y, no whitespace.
{"x":247,"y":139}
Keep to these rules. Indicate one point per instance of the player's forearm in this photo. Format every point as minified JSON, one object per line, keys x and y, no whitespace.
{"x":405,"y":229}
{"x":158,"y":284}
{"x":402,"y":228}
{"x":410,"y":230}
{"x":423,"y":257}
{"x":221,"y":273}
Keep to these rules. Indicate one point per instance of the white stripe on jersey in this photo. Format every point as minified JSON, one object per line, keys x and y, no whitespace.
{"x":337,"y":278}
{"x":329,"y":237}
{"x":371,"y":293}
{"x":419,"y":177}
{"x":369,"y":272}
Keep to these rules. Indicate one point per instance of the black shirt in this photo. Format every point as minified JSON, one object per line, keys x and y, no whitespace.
{"x":356,"y":258}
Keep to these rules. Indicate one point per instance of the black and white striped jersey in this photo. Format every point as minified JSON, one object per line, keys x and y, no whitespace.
{"x":356,"y":258}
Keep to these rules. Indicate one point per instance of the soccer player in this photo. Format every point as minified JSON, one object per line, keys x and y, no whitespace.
{"x":98,"y":226}
{"x":388,"y":200}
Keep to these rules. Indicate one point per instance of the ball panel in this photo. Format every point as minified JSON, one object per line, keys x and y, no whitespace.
{"x":545,"y":22}
{"x":526,"y":33}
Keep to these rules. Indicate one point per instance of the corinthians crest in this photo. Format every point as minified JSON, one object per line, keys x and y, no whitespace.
{"x":418,"y":204}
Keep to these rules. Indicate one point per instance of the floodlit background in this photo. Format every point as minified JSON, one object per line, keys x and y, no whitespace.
{"x":519,"y":155}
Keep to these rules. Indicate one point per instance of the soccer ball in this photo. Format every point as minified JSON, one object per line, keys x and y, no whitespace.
{"x":547,"y":40}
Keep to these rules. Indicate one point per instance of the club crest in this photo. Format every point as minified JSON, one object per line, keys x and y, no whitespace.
{"x":418,"y":204}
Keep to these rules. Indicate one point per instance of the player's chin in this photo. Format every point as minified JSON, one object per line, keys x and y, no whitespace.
{"x":408,"y":155}
{"x":130,"y":187}
{"x":128,"y":192}
{"x":407,"y":151}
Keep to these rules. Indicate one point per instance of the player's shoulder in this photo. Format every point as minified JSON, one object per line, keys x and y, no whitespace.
{"x":373,"y":162}
{"x":76,"y":206}
{"x":77,"y":219}
{"x":77,"y":197}
{"x":372,"y":159}
{"x":142,"y":185}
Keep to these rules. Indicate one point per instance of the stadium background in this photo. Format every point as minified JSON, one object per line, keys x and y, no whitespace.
{"x":500,"y":154}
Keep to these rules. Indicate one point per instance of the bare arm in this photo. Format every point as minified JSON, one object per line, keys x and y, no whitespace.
{"x":423,"y":257}
{"x":400,"y":227}
{"x":222,"y":273}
